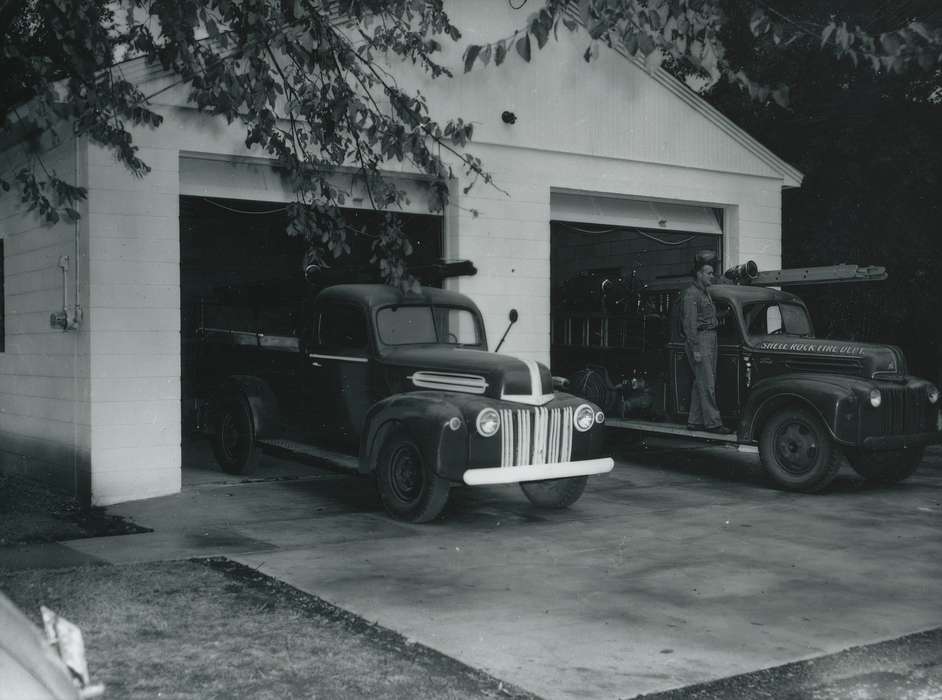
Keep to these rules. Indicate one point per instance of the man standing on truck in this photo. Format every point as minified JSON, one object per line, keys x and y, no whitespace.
{"x":699,"y":326}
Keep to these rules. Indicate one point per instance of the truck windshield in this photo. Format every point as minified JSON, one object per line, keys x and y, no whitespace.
{"x":776,"y":319}
{"x":417,"y":325}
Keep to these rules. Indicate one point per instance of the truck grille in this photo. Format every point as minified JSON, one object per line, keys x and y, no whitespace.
{"x":903,"y":412}
{"x":535,"y":436}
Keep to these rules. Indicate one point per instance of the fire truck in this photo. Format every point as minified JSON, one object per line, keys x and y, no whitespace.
{"x":804,"y":404}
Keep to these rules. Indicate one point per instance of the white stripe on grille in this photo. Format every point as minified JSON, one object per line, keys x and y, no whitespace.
{"x":535,"y":436}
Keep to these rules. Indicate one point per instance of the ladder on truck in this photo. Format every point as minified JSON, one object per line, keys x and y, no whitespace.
{"x":826,"y":274}
{"x":794,"y":276}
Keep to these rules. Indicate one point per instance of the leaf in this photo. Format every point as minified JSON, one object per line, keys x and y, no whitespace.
{"x":653,"y":60}
{"x":781,"y":96}
{"x":921,"y":30}
{"x":470,"y":54}
{"x":500,"y":53}
{"x":523,"y":47}
{"x":646,"y":44}
{"x":890,"y":43}
{"x":759,"y":22}
{"x":631,"y":43}
{"x":540,"y":28}
{"x":486,"y":55}
{"x":827,"y":32}
{"x":584,"y":11}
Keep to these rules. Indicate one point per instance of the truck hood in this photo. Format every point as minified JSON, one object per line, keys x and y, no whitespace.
{"x":468,"y":371}
{"x":869,"y":360}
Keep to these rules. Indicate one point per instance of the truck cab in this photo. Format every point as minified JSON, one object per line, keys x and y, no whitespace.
{"x":805,"y":404}
{"x":400,"y":387}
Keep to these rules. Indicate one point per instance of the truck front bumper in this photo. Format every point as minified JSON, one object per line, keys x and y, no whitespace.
{"x":899,"y":442}
{"x":537,"y":472}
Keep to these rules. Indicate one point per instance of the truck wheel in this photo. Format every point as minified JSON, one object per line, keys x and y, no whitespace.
{"x":409,"y":489}
{"x":888,"y":467}
{"x":234,"y":438}
{"x":797,"y":451}
{"x":554,"y":493}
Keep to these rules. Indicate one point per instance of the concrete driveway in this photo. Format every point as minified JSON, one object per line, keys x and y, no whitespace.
{"x":679,"y":567}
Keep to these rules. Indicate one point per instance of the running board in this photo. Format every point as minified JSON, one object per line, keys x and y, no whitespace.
{"x":668,"y":429}
{"x":309,"y":450}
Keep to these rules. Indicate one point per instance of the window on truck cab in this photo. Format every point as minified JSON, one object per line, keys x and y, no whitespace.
{"x":764,"y":318}
{"x":423,"y":325}
{"x":341,"y":327}
{"x":727,"y":332}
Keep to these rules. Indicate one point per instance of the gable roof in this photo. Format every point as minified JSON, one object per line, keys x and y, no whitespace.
{"x":791,"y":175}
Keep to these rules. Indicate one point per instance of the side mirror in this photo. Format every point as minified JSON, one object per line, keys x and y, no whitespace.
{"x":512,"y":316}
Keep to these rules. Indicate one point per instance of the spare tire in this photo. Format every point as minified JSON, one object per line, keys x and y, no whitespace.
{"x":593,"y":385}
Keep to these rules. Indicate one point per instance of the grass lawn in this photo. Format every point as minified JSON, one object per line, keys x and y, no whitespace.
{"x":217,"y":629}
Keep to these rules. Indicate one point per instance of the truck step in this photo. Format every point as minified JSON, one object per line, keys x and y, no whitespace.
{"x":309,"y":450}
{"x":648,"y":426}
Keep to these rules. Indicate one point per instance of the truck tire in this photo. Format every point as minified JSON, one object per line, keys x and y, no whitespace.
{"x":408,"y":487}
{"x":797,"y":451}
{"x":888,"y":467}
{"x":234,"y":437}
{"x":554,"y":493}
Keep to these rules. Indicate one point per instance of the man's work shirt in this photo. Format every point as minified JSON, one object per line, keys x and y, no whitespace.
{"x":699,"y":315}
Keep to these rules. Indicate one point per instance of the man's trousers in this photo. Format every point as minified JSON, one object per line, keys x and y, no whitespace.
{"x":703,"y":408}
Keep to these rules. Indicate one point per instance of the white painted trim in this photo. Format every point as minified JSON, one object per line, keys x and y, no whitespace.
{"x":537,"y":472}
{"x":535,"y":397}
{"x":449,"y":381}
{"x":528,"y":399}
{"x":315,"y":356}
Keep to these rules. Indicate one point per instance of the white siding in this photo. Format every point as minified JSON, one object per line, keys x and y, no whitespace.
{"x":134,"y":323}
{"x":44,"y":388}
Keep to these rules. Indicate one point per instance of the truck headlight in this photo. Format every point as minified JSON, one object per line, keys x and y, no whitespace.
{"x":584,"y":417}
{"x":876,"y":398}
{"x":933,"y":393}
{"x":599,"y":417}
{"x":488,"y":422}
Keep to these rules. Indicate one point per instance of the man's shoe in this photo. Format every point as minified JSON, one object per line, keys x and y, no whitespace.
{"x":720,"y":430}
{"x":692,"y":426}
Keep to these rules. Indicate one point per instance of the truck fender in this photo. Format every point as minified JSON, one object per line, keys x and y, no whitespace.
{"x":426,"y":417}
{"x":823,"y":396}
{"x":260,"y":398}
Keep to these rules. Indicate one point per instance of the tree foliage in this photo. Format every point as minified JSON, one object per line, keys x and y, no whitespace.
{"x":690,"y":35}
{"x":307,"y":81}
{"x":304,"y":78}
{"x":870,"y":147}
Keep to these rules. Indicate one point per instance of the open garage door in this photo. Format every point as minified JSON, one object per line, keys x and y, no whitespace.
{"x":241,"y":271}
{"x":605,"y":254}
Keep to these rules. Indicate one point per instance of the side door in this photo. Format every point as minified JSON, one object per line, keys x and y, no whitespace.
{"x":729,"y":363}
{"x":338,"y":374}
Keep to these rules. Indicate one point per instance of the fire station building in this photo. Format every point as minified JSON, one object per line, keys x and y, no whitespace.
{"x":601,"y":165}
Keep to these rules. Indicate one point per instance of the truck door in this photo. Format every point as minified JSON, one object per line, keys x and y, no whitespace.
{"x":338,"y":367}
{"x":729,"y":364}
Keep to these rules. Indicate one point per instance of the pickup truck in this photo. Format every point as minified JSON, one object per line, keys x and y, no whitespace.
{"x":803,"y":403}
{"x":401,"y":387}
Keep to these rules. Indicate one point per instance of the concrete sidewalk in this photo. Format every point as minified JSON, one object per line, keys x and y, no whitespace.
{"x":680,"y":567}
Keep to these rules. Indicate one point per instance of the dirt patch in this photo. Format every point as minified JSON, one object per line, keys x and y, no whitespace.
{"x":213,"y":628}
{"x":31,"y":513}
